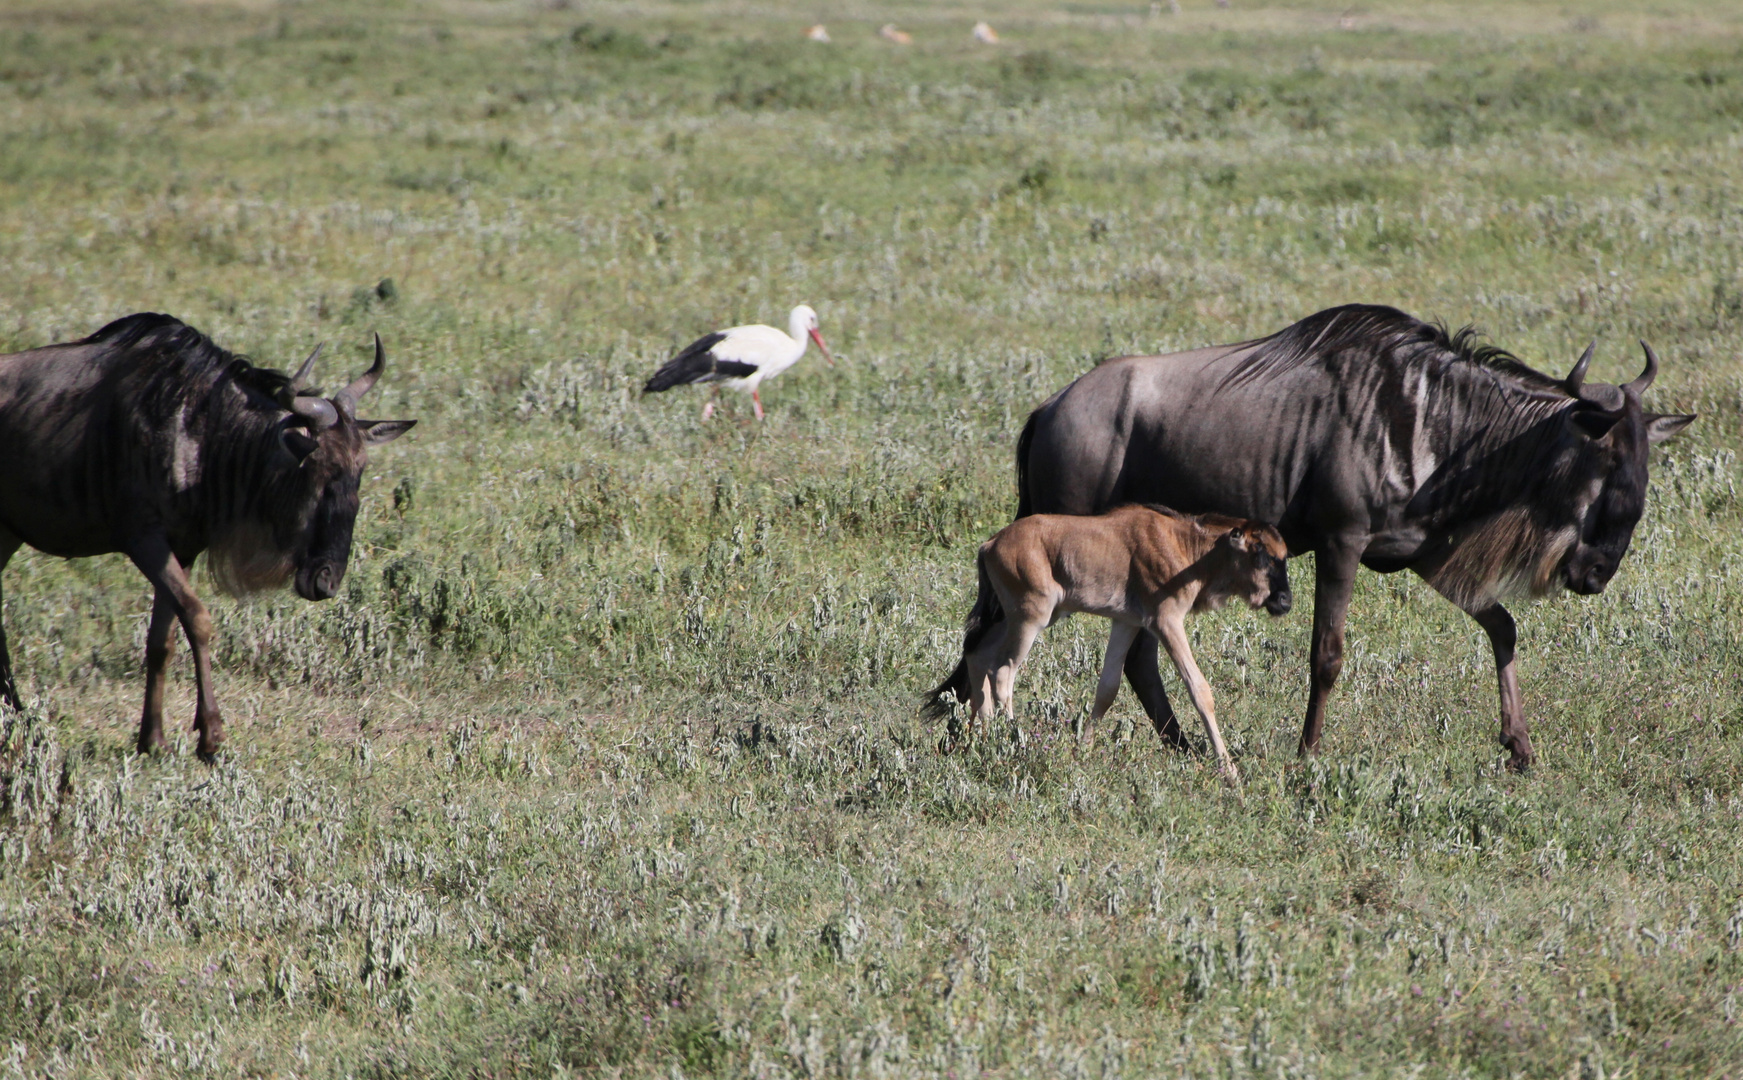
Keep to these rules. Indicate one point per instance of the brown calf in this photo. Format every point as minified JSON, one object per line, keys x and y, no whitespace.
{"x":1144,"y":567}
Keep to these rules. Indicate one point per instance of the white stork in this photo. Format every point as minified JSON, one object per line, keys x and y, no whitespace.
{"x":740,"y":357}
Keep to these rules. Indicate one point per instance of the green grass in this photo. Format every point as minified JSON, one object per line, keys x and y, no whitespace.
{"x":607,"y":762}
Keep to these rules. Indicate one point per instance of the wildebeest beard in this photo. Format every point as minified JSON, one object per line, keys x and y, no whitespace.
{"x":246,"y":559}
{"x":1500,"y":556}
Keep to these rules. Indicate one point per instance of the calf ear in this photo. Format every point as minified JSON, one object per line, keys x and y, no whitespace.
{"x":1660,"y":427}
{"x":376,"y":432}
{"x":1236,"y":538}
{"x":299,"y":442}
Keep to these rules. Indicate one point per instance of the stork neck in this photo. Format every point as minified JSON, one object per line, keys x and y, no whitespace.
{"x":798,"y":331}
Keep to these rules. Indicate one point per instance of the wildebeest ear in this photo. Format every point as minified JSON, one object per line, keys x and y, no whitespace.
{"x":1660,"y":426}
{"x":1236,"y":538}
{"x":299,"y":442}
{"x":376,"y":432}
{"x":1595,"y":423}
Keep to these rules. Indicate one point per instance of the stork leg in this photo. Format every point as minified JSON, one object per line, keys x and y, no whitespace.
{"x":708,"y":408}
{"x":756,"y":403}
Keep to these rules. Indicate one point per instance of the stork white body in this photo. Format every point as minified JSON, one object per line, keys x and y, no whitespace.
{"x":740,"y":358}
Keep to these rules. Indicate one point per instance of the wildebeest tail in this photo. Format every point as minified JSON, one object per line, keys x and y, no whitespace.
{"x":1025,"y":504}
{"x":982,"y":617}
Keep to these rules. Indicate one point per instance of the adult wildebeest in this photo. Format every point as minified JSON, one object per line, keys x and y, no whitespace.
{"x":1143,"y":567}
{"x":1371,"y":438}
{"x":147,"y":439}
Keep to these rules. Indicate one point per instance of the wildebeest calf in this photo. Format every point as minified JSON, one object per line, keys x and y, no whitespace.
{"x":1144,"y":567}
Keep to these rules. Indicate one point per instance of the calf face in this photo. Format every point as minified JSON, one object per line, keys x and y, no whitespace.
{"x":1261,"y":566}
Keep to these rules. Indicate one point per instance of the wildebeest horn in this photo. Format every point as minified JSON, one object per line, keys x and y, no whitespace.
{"x":1640,"y":384}
{"x":1577,"y":377}
{"x":317,"y":410}
{"x":347,"y":398}
{"x":302,"y":375}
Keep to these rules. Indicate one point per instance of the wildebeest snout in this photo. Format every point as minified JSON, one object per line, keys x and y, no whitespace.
{"x":1588,"y":574}
{"x":1280,"y":600}
{"x":320,"y":582}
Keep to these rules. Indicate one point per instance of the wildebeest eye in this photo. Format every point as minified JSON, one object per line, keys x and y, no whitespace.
{"x":1595,"y":423}
{"x":299,"y":442}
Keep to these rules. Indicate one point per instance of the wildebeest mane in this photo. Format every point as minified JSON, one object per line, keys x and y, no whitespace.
{"x":157,"y":332}
{"x":249,"y":495}
{"x":1378,"y":330}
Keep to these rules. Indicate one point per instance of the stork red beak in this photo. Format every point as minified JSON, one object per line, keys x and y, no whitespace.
{"x":818,"y":338}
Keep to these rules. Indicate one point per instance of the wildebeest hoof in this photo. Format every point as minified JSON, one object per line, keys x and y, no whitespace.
{"x":1519,"y":754}
{"x":207,"y":749}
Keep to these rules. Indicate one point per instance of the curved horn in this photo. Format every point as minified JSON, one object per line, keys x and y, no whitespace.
{"x":318,"y":411}
{"x":1640,"y":384}
{"x":347,"y":398}
{"x":302,"y":375}
{"x":1577,"y":377}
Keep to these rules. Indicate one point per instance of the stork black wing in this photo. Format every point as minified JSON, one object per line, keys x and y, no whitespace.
{"x":697,"y":364}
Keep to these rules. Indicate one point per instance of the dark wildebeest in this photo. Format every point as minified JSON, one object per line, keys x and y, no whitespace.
{"x":1142,"y":567}
{"x":1372,"y":439}
{"x":149,"y":440}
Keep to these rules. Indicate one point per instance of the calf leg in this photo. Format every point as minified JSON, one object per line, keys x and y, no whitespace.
{"x":1502,"y":637}
{"x":9,"y":545}
{"x":1120,"y":639}
{"x":1143,"y":672}
{"x":1019,"y":639}
{"x":1334,"y":579}
{"x":159,"y":565}
{"x":982,"y":661}
{"x":1180,"y":651}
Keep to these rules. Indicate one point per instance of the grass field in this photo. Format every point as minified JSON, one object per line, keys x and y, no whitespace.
{"x":606,"y":763}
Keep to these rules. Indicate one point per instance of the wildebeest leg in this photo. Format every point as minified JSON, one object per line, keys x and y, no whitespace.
{"x":9,"y":545}
{"x":159,"y":565}
{"x":159,"y":647}
{"x":1173,"y":632}
{"x":1120,"y":639}
{"x":1498,"y":622}
{"x":1334,"y":578}
{"x":1145,"y":675}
